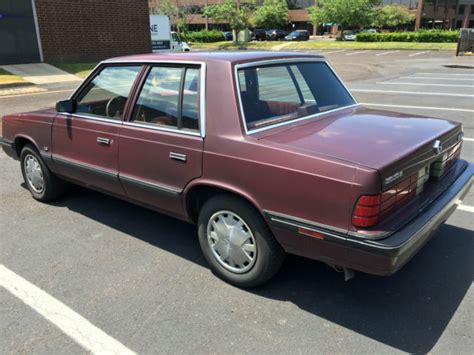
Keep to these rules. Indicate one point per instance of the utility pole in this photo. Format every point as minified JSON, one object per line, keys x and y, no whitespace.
{"x":315,"y":25}
{"x":207,"y":18}
{"x":467,"y":15}
{"x":419,"y":12}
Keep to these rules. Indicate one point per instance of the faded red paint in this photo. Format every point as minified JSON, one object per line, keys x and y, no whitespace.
{"x":313,"y":170}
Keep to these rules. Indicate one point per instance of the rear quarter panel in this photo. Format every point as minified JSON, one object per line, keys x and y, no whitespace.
{"x":273,"y":178}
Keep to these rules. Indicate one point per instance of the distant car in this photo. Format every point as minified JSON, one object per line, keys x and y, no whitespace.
{"x":228,"y":36}
{"x":372,"y":30}
{"x":267,"y":152}
{"x":349,"y":35}
{"x":275,"y":35}
{"x":186,"y":47}
{"x":298,"y":35}
{"x":177,"y":44}
{"x":259,"y":35}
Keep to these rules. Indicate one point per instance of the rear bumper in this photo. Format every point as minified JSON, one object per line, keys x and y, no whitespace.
{"x":9,"y":148}
{"x":380,"y":257}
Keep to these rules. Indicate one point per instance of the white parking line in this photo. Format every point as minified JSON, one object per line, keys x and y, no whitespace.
{"x":423,"y":84}
{"x":411,"y":92}
{"x":342,"y":50}
{"x":466,"y":208}
{"x":441,"y":73}
{"x":438,"y":78}
{"x":418,"y":53}
{"x":419,"y":107}
{"x":359,"y":52}
{"x":385,"y":53}
{"x":72,"y":324}
{"x":468,"y":139}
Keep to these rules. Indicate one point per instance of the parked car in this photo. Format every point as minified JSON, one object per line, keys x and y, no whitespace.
{"x":372,"y":30}
{"x":178,"y":44}
{"x":266,"y":152}
{"x":298,"y":35}
{"x":259,"y":35}
{"x":275,"y":35}
{"x":228,"y":36}
{"x":186,"y":47}
{"x":350,"y":35}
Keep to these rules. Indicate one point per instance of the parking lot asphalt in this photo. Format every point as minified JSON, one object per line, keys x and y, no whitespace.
{"x":139,"y":277}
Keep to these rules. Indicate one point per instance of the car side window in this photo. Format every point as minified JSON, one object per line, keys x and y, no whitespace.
{"x":169,"y":98}
{"x":190,"y":112}
{"x":107,"y":93}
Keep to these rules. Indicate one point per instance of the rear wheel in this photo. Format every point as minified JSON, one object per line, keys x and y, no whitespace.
{"x":237,"y":243}
{"x":42,"y":183}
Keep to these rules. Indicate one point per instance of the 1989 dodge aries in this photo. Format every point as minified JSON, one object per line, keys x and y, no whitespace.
{"x":266,"y":152}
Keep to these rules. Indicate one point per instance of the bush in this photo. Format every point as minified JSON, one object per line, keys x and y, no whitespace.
{"x":203,"y":36}
{"x":420,"y":36}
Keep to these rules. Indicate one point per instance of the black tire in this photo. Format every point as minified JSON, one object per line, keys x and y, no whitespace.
{"x":269,"y":254}
{"x":53,"y":187}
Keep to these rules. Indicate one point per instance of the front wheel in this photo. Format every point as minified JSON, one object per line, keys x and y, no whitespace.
{"x":42,"y":183}
{"x":237,"y":243}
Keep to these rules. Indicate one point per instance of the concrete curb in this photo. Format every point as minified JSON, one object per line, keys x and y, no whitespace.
{"x":15,"y":85}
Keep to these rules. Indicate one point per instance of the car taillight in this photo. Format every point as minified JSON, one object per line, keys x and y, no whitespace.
{"x":367,"y":211}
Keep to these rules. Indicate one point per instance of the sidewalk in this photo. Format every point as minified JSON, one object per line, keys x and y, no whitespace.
{"x":40,"y":73}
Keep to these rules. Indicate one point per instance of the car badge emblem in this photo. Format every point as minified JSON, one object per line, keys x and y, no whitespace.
{"x":437,"y":147}
{"x":392,"y":178}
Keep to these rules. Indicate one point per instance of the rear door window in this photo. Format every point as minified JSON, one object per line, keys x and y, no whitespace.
{"x":169,"y":99}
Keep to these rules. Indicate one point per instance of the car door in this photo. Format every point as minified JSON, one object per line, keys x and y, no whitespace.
{"x":161,"y":144}
{"x":85,"y":142}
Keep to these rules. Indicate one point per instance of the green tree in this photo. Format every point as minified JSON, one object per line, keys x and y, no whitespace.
{"x":232,"y":12}
{"x":272,"y":14}
{"x":351,"y":14}
{"x":168,"y":8}
{"x":392,"y":16}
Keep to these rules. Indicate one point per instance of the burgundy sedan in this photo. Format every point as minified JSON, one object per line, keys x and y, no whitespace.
{"x":268,"y":153}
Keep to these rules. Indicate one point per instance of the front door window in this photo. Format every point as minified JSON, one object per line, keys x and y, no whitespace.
{"x":107,"y":93}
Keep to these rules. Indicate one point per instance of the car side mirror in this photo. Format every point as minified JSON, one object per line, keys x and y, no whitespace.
{"x":66,"y":106}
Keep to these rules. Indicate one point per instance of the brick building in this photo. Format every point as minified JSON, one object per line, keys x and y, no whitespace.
{"x":58,"y":31}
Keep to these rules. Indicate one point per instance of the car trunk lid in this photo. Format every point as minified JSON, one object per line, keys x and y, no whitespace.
{"x":395,"y":144}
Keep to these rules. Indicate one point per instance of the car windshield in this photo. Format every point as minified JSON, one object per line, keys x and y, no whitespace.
{"x":272,"y":94}
{"x":295,"y":33}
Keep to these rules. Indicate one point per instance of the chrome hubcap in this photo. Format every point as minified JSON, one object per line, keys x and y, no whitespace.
{"x":34,"y":174}
{"x":231,"y":241}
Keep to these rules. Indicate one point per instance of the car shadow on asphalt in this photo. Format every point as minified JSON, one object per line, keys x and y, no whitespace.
{"x":407,"y":311}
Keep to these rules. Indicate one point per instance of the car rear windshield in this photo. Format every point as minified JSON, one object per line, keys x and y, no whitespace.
{"x":272,"y":94}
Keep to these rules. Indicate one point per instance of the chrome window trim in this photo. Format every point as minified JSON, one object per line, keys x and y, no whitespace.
{"x":91,"y":117}
{"x":162,"y":128}
{"x":202,"y":94}
{"x":286,"y":61}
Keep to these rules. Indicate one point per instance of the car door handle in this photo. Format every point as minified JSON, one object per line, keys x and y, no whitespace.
{"x":105,"y":141}
{"x":178,"y":156}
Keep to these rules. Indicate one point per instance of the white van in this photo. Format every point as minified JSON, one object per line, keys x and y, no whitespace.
{"x":162,"y":38}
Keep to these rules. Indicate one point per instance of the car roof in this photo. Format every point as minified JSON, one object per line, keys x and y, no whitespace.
{"x":216,"y":56}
